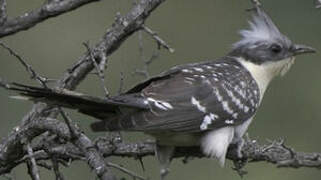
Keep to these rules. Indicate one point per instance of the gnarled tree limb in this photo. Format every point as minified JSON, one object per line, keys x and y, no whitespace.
{"x":273,"y":152}
{"x":9,"y":26}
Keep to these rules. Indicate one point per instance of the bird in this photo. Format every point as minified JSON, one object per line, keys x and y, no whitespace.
{"x":208,"y":104}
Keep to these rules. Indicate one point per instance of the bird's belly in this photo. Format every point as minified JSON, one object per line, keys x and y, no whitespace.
{"x":177,"y":139}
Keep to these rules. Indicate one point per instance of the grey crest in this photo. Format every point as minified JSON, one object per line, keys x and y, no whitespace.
{"x":263,"y":41}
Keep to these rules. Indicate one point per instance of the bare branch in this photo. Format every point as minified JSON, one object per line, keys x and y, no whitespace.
{"x":32,"y":165}
{"x":3,"y":11}
{"x":158,"y":39}
{"x":131,"y":173}
{"x":81,"y":141}
{"x":274,"y":152}
{"x":48,"y":10}
{"x":121,"y":83}
{"x":44,"y":164}
{"x":100,"y":68}
{"x":144,"y":71}
{"x":29,"y":69}
{"x":55,"y":164}
{"x":4,"y":84}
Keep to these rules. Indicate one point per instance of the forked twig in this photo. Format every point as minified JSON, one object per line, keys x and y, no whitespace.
{"x":99,"y":68}
{"x":28,"y":67}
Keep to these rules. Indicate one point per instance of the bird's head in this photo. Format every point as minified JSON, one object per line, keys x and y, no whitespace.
{"x":264,"y":43}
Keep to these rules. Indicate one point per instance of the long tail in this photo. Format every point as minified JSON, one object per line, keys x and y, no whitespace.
{"x":101,"y":108}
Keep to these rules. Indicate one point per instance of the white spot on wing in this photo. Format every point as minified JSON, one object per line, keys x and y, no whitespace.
{"x":189,"y":78}
{"x":234,"y":99}
{"x":198,"y":105}
{"x":242,"y":84}
{"x":208,"y":119}
{"x":186,"y":70}
{"x":240,"y":91}
{"x":246,"y":109}
{"x":198,"y":69}
{"x":227,"y":108}
{"x":235,"y":115}
{"x":218,"y":95}
{"x":160,"y":104}
{"x":145,"y":101}
{"x":229,"y":121}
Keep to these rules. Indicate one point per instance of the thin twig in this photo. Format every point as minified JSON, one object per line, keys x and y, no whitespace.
{"x":141,"y":46}
{"x":158,"y":39}
{"x":121,"y":83}
{"x":99,"y":68}
{"x":73,"y":132}
{"x":4,"y":84}
{"x":154,"y":56}
{"x":28,"y":67}
{"x":44,"y":164}
{"x":3,"y":11}
{"x":32,"y":165}
{"x":55,"y":164}
{"x":144,"y":71}
{"x":131,"y":173}
{"x":94,"y":158}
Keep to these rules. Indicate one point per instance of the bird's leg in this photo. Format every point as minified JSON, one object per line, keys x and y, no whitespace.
{"x":239,"y":161}
{"x":239,"y":146}
{"x":164,"y":155}
{"x":239,"y":143}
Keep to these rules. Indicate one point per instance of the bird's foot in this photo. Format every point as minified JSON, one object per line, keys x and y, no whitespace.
{"x":239,"y":162}
{"x":164,"y":155}
{"x":164,"y":172}
{"x":239,"y":147}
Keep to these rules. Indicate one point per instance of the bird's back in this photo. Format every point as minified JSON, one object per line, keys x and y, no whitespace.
{"x":192,"y":98}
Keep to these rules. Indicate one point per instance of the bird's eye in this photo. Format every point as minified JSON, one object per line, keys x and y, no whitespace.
{"x":276,"y":48}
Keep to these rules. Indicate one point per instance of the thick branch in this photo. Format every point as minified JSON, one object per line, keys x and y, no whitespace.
{"x":274,"y":152}
{"x":32,"y":165}
{"x":30,"y":19}
{"x":83,"y":143}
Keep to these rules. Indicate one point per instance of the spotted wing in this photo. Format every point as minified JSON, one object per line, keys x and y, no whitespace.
{"x":195,"y":98}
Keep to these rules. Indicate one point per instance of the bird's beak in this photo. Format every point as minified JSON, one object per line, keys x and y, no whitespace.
{"x":302,"y":49}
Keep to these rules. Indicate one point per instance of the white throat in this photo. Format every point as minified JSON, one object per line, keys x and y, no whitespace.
{"x":264,"y":73}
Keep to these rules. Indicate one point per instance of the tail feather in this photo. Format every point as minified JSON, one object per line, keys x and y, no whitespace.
{"x":100,"y":108}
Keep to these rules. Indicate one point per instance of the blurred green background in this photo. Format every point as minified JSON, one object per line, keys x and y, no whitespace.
{"x":198,"y":30}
